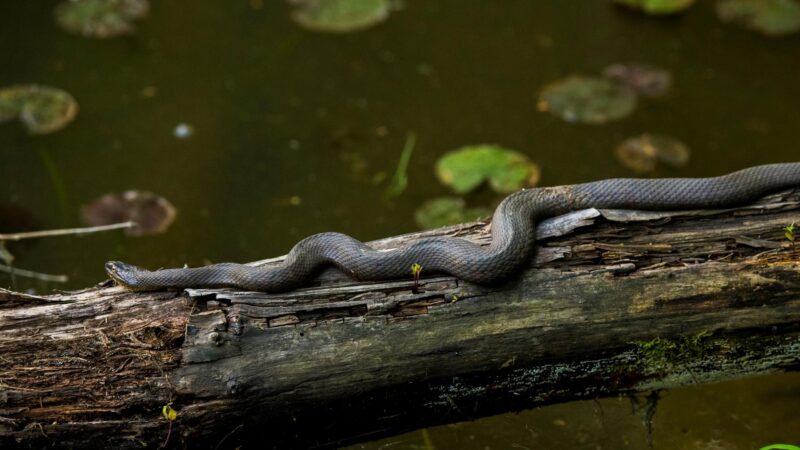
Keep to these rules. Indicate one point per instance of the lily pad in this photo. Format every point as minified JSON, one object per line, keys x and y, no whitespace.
{"x":642,"y":153}
{"x":647,"y":81}
{"x":443,"y":211}
{"x":657,"y":7}
{"x":585,"y":99}
{"x":341,"y":16}
{"x":151,"y":213}
{"x":12,"y":99}
{"x":468,"y":167}
{"x":41,"y":109}
{"x":100,"y":18}
{"x":770,"y":17}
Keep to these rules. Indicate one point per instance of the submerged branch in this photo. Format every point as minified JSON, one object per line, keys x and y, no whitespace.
{"x":35,"y":275}
{"x":64,"y":231}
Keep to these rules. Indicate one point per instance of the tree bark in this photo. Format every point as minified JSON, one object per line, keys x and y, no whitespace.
{"x":614,"y":302}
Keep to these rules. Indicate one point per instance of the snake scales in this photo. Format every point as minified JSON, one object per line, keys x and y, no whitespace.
{"x":510,"y":247}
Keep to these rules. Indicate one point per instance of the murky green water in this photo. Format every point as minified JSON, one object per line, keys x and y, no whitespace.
{"x":280,"y":112}
{"x":745,"y":414}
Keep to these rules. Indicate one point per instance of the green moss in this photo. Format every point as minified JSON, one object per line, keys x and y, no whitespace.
{"x":659,"y":354}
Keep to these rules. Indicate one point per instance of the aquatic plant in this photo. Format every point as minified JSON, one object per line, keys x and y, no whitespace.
{"x":443,"y":211}
{"x":151,"y":213}
{"x":657,"y":7}
{"x":41,"y":109}
{"x":100,"y":18}
{"x":769,"y":17}
{"x":589,"y":100}
{"x":642,"y":153}
{"x":399,"y":180}
{"x":644,"y":79}
{"x":341,"y":16}
{"x":506,"y":170}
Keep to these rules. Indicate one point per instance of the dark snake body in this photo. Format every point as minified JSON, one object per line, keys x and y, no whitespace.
{"x":512,"y":235}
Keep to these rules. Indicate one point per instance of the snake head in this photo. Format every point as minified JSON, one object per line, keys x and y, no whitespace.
{"x":123,"y":274}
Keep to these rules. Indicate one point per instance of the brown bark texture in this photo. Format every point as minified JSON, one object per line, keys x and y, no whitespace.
{"x":615,"y":302}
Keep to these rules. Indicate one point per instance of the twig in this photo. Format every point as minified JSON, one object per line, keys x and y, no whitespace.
{"x":227,"y":435}
{"x":169,"y":433}
{"x":64,"y":231}
{"x":34,"y":275}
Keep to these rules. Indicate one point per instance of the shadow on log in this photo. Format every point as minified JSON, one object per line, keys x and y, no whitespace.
{"x":615,"y":302}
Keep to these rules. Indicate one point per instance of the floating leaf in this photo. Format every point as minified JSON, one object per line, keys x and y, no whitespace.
{"x":644,"y":80}
{"x":444,"y":211}
{"x":770,"y":17}
{"x":42,"y":109}
{"x":506,"y":170}
{"x":100,"y":18}
{"x":12,"y":99}
{"x":657,"y":7}
{"x":341,"y":16}
{"x":641,"y":153}
{"x":47,"y":110}
{"x":151,"y":213}
{"x":587,"y":99}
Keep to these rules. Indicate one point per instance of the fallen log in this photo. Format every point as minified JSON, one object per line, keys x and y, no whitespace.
{"x":615,"y":302}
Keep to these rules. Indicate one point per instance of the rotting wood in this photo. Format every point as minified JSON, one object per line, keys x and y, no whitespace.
{"x":615,"y":302}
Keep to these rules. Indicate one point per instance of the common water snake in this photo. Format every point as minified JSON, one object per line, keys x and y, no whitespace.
{"x":512,"y":235}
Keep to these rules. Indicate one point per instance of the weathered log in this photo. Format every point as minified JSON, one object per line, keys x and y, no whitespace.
{"x":615,"y":302}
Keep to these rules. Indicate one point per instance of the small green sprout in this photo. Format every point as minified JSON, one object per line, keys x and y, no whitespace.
{"x":171,"y":415}
{"x":788,"y":232}
{"x":416,"y":270}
